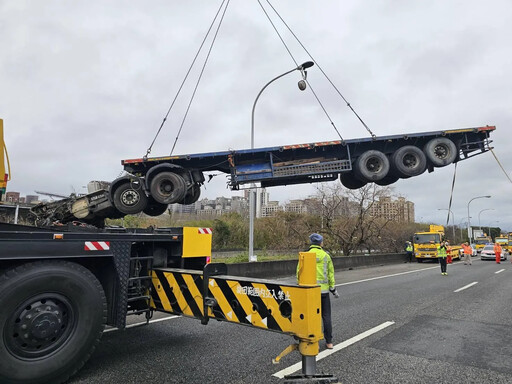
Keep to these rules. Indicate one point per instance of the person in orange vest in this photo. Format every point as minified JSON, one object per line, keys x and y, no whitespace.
{"x":497,"y":252}
{"x":468,"y":251}
{"x":448,"y":252}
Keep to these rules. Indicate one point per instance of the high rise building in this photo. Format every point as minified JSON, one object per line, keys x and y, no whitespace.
{"x":399,"y":210}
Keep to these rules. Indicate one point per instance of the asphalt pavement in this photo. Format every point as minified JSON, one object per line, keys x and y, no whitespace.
{"x":403,"y":323}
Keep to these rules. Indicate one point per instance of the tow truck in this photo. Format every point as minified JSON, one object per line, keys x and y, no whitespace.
{"x":60,"y":286}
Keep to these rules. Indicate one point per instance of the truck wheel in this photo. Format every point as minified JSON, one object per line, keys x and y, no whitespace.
{"x":372,"y":165}
{"x":440,"y":151}
{"x":409,"y":161}
{"x":350,"y":181}
{"x":155,"y":209}
{"x":192,"y":195}
{"x":168,"y":188}
{"x":53,"y":315}
{"x":130,"y":199}
{"x":389,"y":179}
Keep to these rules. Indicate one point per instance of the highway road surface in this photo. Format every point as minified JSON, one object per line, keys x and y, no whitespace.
{"x":403,"y":323}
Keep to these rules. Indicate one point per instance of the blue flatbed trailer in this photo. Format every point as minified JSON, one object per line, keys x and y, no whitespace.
{"x":151,"y":184}
{"x":320,"y":161}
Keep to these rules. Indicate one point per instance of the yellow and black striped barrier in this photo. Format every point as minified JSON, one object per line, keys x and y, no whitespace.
{"x":285,"y":308}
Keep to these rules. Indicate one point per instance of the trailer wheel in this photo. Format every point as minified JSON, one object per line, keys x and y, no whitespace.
{"x":350,"y":181}
{"x":53,"y":315}
{"x":168,"y":188}
{"x":192,"y":195}
{"x":372,"y":165}
{"x":129,"y":198}
{"x":154,"y":209}
{"x":440,"y":151}
{"x":409,"y":161}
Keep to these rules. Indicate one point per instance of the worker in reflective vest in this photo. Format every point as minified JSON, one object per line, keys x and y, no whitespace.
{"x":441,"y":255}
{"x":497,"y":252}
{"x":324,"y":278}
{"x":408,"y":250}
{"x":468,"y":252}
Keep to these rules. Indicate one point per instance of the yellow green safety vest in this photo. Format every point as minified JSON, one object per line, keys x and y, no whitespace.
{"x":441,"y":252}
{"x":324,"y":268}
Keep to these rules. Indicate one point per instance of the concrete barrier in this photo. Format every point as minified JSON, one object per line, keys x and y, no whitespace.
{"x":271,"y":269}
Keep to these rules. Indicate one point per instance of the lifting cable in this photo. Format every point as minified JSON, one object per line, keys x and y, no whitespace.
{"x":501,"y":166}
{"x":185,"y":79}
{"x":297,"y":64}
{"x":200,"y":76}
{"x":321,"y":70}
{"x":451,"y":196}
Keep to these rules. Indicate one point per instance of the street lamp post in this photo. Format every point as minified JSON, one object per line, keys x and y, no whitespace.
{"x":487,"y":209}
{"x":497,"y":222}
{"x":465,"y":221}
{"x":453,"y":220}
{"x":469,"y":223}
{"x":252,"y":190}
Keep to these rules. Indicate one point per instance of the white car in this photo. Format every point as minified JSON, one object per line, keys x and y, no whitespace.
{"x":488,"y":253}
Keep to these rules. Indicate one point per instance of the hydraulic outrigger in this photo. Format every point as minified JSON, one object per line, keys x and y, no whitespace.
{"x":285,"y":308}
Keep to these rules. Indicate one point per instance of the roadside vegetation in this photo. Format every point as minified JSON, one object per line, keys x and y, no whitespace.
{"x":344,"y":217}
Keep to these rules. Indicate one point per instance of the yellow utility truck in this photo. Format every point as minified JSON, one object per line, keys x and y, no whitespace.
{"x":426,"y":243}
{"x":502,"y":240}
{"x":480,"y":242}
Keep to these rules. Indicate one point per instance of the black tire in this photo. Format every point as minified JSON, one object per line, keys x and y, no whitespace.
{"x":52,"y":317}
{"x":350,"y":182}
{"x":155,"y":209}
{"x":408,"y":161}
{"x":192,"y":195}
{"x":440,"y":151}
{"x":168,"y":188}
{"x":372,"y":165}
{"x":129,"y":198}
{"x":389,"y":179}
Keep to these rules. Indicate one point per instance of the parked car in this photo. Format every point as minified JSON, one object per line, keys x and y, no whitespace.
{"x":488,"y":253}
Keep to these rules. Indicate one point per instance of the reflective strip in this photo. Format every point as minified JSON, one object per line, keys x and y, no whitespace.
{"x":97,"y":245}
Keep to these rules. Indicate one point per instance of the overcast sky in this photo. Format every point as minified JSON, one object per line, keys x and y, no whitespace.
{"x":85,"y":84}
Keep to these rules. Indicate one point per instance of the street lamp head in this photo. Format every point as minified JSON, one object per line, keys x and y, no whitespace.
{"x":306,"y":65}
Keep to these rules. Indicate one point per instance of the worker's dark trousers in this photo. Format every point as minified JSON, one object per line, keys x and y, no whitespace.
{"x":442,"y":261}
{"x":326,"y":317}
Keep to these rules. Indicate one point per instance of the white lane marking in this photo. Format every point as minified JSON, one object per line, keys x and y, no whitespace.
{"x":501,"y":270}
{"x":338,"y":347}
{"x":383,"y":277}
{"x":466,"y":286}
{"x":143,"y":323}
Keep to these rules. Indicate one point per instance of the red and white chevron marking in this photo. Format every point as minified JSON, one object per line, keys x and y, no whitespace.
{"x":204,"y":231}
{"x":97,"y":246}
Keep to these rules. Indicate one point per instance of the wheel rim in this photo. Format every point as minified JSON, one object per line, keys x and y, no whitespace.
{"x":441,"y":151}
{"x":130,"y":197}
{"x":410,"y":161}
{"x":373,"y":164}
{"x":39,"y":326}
{"x":166,"y":188}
